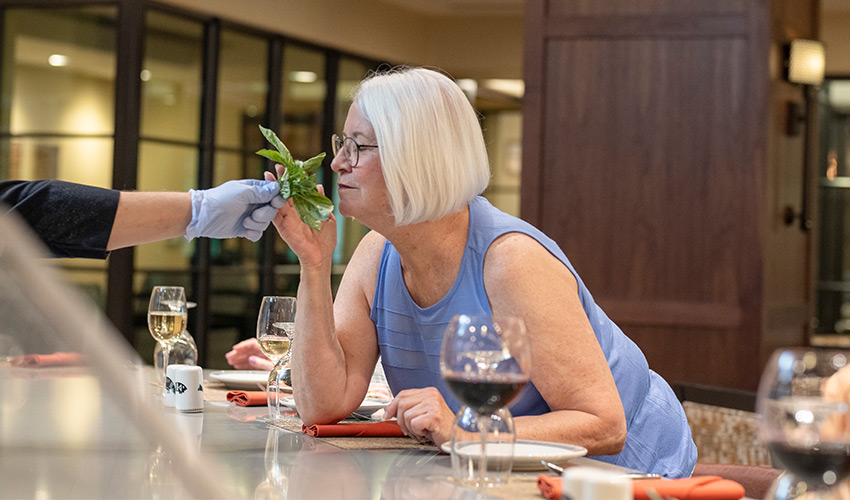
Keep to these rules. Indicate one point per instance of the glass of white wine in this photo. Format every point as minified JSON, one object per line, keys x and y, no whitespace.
{"x":275,"y":330}
{"x":166,"y":317}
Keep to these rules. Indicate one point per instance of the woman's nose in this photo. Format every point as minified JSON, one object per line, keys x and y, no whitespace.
{"x":339,"y":163}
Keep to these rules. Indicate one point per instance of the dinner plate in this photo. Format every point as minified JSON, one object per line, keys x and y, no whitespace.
{"x":242,"y":379}
{"x":367,"y":407}
{"x":527,"y":454}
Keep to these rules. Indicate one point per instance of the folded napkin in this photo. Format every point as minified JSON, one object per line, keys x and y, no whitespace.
{"x":55,"y":359}
{"x":387,"y":428}
{"x":691,"y":488}
{"x":248,"y":398}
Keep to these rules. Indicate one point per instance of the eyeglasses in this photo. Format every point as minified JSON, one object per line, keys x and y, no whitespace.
{"x":349,"y":147}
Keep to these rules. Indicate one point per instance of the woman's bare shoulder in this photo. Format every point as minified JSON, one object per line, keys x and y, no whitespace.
{"x":518,"y":261}
{"x":362,"y":269}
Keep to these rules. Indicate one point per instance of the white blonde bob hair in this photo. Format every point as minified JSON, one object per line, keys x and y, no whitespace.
{"x":429,"y":140}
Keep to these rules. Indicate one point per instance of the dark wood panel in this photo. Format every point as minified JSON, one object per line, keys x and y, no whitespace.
{"x":632,"y":7}
{"x":672,"y":313}
{"x":644,"y":147}
{"x":660,"y":169}
{"x":707,"y":357}
{"x":720,"y":25}
{"x":534,"y":68}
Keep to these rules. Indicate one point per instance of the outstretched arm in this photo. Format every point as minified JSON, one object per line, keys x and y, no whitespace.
{"x":145,"y":217}
{"x":234,"y":209}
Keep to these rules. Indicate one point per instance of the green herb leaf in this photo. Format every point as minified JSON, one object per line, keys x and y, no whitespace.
{"x":278,"y":144}
{"x":272,"y":155}
{"x":298,"y":182}
{"x":310,"y":166}
{"x":285,"y":188}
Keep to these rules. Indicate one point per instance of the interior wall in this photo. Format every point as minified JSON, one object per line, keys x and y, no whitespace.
{"x":481,"y":46}
{"x":835,"y":34}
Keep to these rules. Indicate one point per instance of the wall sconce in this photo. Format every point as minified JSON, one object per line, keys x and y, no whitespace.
{"x":805,"y":62}
{"x":804,"y":65}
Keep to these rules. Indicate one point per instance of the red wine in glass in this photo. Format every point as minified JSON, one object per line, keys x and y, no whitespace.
{"x":488,"y":395}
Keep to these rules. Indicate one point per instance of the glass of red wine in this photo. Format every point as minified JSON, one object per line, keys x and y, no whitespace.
{"x":485,"y":361}
{"x":803,"y":404}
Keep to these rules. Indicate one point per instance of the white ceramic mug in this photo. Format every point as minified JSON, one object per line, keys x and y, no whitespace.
{"x":169,"y":392}
{"x":579,"y":483}
{"x":188,"y":388}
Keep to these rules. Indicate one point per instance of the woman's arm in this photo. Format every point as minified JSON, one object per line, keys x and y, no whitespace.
{"x":336,"y":345}
{"x":335,"y":348}
{"x":568,"y":366}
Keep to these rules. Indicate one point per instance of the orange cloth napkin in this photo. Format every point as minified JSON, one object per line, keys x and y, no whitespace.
{"x":55,"y":359}
{"x":691,"y":488}
{"x":248,"y":398}
{"x":387,"y":428}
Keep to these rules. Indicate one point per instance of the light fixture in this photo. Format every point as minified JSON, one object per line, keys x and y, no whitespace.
{"x":512,"y":87}
{"x":804,"y":65}
{"x":57,"y":60}
{"x":805,"y":62}
{"x":303,"y":76}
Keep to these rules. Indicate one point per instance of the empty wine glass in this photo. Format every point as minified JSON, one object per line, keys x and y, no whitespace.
{"x":166,"y":317}
{"x":803,"y":419}
{"x":275,"y":329}
{"x":485,"y":361}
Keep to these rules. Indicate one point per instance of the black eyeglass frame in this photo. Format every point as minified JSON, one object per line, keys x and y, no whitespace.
{"x":338,"y":143}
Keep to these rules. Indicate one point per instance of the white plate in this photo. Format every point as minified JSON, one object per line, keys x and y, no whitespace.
{"x":527,"y":454}
{"x":367,"y":407}
{"x":242,"y":379}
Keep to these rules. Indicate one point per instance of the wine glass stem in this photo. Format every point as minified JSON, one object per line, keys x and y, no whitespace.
{"x":273,"y":394}
{"x":484,"y":431}
{"x":166,"y":352}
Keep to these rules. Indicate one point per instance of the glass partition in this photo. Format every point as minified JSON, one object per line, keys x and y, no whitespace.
{"x":241,"y":104}
{"x":833,"y":278}
{"x":168,"y":151}
{"x":57,"y":111}
{"x":171,"y":78}
{"x":303,"y":96}
{"x":350,"y":231}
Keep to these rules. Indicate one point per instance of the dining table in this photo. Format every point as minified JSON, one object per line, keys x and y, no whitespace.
{"x":66,"y":433}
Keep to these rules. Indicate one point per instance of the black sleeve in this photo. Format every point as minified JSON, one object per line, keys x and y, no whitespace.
{"x":73,"y":220}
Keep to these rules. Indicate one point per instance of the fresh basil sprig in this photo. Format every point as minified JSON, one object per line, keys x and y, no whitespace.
{"x":298,"y":181}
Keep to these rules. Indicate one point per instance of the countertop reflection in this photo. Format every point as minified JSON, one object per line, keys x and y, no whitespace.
{"x":63,"y":436}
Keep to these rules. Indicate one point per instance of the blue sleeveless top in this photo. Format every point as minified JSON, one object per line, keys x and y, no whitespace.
{"x":409,"y":337}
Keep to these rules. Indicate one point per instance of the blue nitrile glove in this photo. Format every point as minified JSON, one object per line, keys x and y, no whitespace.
{"x":236,"y":208}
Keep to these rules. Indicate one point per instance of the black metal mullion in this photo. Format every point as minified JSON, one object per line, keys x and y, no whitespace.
{"x":273,"y":122}
{"x":129,"y":48}
{"x":206,"y":160}
{"x":332,"y":58}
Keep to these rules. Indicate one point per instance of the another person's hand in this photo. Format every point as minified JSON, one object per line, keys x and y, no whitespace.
{"x":422,"y":412}
{"x":247,"y":355}
{"x":236,"y":208}
{"x":313,"y":248}
{"x":837,"y":389}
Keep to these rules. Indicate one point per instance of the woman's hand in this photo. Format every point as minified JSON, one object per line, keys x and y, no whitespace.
{"x":313,"y":248}
{"x":422,"y":412}
{"x":247,"y":355}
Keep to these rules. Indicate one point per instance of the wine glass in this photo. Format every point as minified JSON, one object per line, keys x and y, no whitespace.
{"x":166,"y":317}
{"x":275,"y":329}
{"x":183,"y":350}
{"x":803,"y":407}
{"x":485,"y":361}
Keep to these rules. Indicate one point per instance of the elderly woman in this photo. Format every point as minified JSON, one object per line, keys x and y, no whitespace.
{"x":412,"y":164}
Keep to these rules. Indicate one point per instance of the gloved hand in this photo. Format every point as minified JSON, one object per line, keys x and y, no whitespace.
{"x":236,"y":208}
